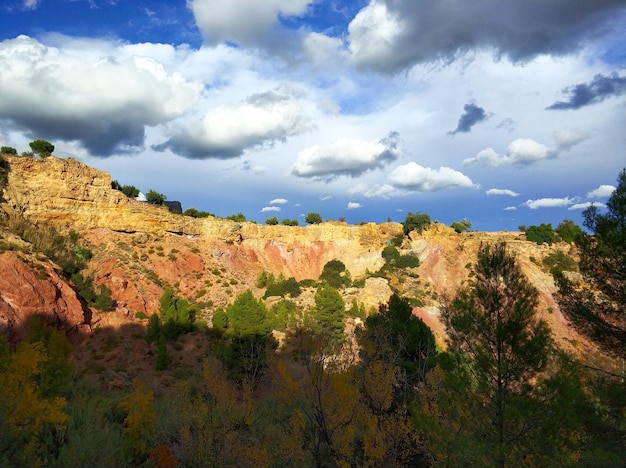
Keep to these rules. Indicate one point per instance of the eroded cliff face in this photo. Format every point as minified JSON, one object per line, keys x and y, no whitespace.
{"x":138,"y":249}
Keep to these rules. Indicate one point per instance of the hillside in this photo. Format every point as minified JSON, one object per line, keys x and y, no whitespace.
{"x":138,"y":249}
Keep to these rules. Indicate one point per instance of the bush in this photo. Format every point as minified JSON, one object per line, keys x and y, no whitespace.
{"x":569,"y":231}
{"x":542,"y":233}
{"x":290,"y":222}
{"x":155,"y":198}
{"x":335,"y":274}
{"x":282,"y":288}
{"x":131,"y":191}
{"x":273,"y":221}
{"x":390,"y":254}
{"x":8,"y":150}
{"x":313,"y":218}
{"x":416,"y":222}
{"x":407,"y":261}
{"x":239,"y":217}
{"x":461,"y":226}
{"x":559,"y":262}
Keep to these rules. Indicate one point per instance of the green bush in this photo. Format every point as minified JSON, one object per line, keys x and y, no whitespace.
{"x":239,"y":217}
{"x":313,"y":218}
{"x":569,"y":231}
{"x":541,"y":234}
{"x":273,"y":221}
{"x":155,"y":198}
{"x":336,"y":275}
{"x":416,"y":222}
{"x":42,"y":147}
{"x":8,"y":150}
{"x":290,"y":222}
{"x":407,"y":261}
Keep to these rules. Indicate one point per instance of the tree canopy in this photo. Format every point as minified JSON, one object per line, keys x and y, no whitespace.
{"x":41,"y":147}
{"x":416,"y":222}
{"x":313,"y":218}
{"x":155,"y":198}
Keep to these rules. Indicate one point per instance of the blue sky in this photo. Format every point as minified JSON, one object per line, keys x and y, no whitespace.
{"x":502,"y":112}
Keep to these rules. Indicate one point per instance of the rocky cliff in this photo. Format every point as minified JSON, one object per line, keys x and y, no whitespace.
{"x":139,"y":248}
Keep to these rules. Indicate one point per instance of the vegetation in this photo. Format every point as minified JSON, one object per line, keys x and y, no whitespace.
{"x":42,"y":148}
{"x":239,"y":217}
{"x":513,"y":385}
{"x":544,"y":233}
{"x":289,"y":222}
{"x":313,"y":218}
{"x":416,"y":222}
{"x":569,"y":231}
{"x":194,"y":213}
{"x":273,"y":221}
{"x":8,"y":150}
{"x":601,"y":315}
{"x":461,"y":226}
{"x":155,"y":198}
{"x":336,"y":275}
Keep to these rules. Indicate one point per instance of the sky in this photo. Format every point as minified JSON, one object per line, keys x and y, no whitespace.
{"x":501,"y":112}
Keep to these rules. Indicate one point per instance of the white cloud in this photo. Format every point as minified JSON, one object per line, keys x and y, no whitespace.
{"x":278,"y":201}
{"x":549,"y":203}
{"x":346,"y":157}
{"x":417,"y":178}
{"x":228,"y":131}
{"x":106,"y":104}
{"x":510,"y":208}
{"x":372,"y":35}
{"x":242,"y":21}
{"x":354,"y":205}
{"x":326,"y":198}
{"x":323,"y":51}
{"x":602,"y":191}
{"x":585,"y":205}
{"x":506,"y":192}
{"x":523,"y":151}
{"x":270,"y":208}
{"x":565,"y":139}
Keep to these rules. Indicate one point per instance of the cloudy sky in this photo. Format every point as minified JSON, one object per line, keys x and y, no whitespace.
{"x":501,"y":112}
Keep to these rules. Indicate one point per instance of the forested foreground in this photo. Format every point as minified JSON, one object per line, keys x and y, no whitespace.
{"x":500,"y":394}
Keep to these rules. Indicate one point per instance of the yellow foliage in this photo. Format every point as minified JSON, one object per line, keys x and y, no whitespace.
{"x":140,"y":421}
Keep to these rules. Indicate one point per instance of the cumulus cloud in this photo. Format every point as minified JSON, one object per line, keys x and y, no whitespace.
{"x":104,"y":104}
{"x":244,"y":22}
{"x":510,"y":208}
{"x":354,"y":205}
{"x":416,"y":178}
{"x":472,"y":114}
{"x":388,"y":36}
{"x":228,"y":131}
{"x":278,"y":201}
{"x":585,"y":94}
{"x":266,"y":209}
{"x":549,"y":203}
{"x":350,"y":158}
{"x":585,"y":205}
{"x":519,"y":152}
{"x":495,"y":191}
{"x":602,"y":191}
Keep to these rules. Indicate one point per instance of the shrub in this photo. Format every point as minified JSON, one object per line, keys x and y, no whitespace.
{"x":8,"y":150}
{"x":335,"y":274}
{"x":130,"y":191}
{"x":461,"y":226}
{"x":416,"y":222}
{"x":407,"y":261}
{"x":390,"y":254}
{"x":569,"y":231}
{"x":542,"y":233}
{"x":239,"y":217}
{"x":290,"y":222}
{"x":155,"y":198}
{"x":273,"y":221}
{"x":313,"y":218}
{"x":558,"y":262}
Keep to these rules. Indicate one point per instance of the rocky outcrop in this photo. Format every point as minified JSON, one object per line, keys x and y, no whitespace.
{"x":31,"y":288}
{"x":139,"y":248}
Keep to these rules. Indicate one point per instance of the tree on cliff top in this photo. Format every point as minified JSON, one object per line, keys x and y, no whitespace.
{"x":42,"y":147}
